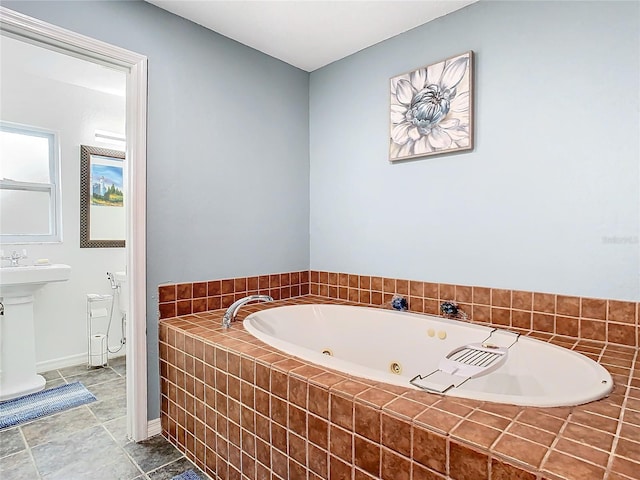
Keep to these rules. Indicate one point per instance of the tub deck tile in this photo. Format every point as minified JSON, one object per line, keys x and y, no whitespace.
{"x":450,"y":438}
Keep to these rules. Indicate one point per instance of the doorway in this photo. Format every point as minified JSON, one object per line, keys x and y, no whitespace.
{"x":25,"y":29}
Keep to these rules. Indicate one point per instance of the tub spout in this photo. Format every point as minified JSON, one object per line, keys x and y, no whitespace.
{"x":232,"y":311}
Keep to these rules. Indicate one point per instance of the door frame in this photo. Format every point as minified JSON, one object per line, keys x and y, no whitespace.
{"x":134,"y":65}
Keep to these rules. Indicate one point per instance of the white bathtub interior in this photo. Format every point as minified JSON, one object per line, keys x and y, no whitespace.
{"x":367,"y":342}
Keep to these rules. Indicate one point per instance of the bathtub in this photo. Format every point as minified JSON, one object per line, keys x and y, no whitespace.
{"x":415,"y":351}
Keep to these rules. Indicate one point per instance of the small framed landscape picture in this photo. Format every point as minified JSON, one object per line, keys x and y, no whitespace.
{"x":431,"y":109}
{"x":102,"y":213}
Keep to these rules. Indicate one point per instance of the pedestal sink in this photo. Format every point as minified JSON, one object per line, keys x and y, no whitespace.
{"x":17,"y":287}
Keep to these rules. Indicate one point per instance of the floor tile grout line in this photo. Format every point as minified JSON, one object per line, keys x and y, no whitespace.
{"x":33,"y":460}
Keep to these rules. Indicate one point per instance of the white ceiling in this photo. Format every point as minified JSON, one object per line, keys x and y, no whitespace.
{"x":310,"y":34}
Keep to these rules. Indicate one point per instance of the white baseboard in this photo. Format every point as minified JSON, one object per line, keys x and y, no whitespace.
{"x":62,"y":362}
{"x":154,"y":427}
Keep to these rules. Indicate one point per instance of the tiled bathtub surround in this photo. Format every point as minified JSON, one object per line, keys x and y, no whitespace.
{"x":612,"y":321}
{"x":243,"y":410}
{"x":186,"y":298}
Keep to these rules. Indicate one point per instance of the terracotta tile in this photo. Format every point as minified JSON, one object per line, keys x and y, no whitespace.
{"x":389,"y":285}
{"x":405,"y":408}
{"x":500,"y":297}
{"x":341,"y":411}
{"x":418,"y":472}
{"x":183,"y":307}
{"x":353,"y":295}
{"x":339,"y":469}
{"x":297,"y":420}
{"x":367,"y":456}
{"x":416,"y":289}
{"x":464,"y":294}
{"x":365,"y":282}
{"x":430,"y":449}
{"x":349,"y":388}
{"x":213,"y":303}
{"x":439,"y":420}
{"x":566,"y":305}
{"x":274,"y":280}
{"x":503,"y":410}
{"x":167,"y":310}
{"x":318,"y":431}
{"x":466,"y":463}
{"x":628,"y":449}
{"x":543,"y":322}
{"x":367,"y":422}
{"x":431,"y":307}
{"x":396,"y":434}
{"x":167,"y":293}
{"x":481,"y":295}
{"x":416,"y":304}
{"x":520,"y":449}
{"x":476,"y":433}
{"x":446,"y":291}
{"x":567,"y":326}
{"x":569,"y":467}
{"x":544,"y":302}
{"x":394,"y":467}
{"x":318,"y":460}
{"x":521,"y":300}
{"x":481,"y":313}
{"x":298,"y":392}
{"x":624,"y":312}
{"x":402,"y":287}
{"x":593,"y":329}
{"x":319,"y":401}
{"x":360,"y":475}
{"x":365,"y":296}
{"x":199,"y":289}
{"x":531,"y":433}
{"x":430,"y":290}
{"x":505,"y":471}
{"x":488,"y":419}
{"x":214,"y":287}
{"x":453,"y":405}
{"x":184,"y":291}
{"x":376,"y":298}
{"x":375,"y":396}
{"x":227,"y":286}
{"x":501,"y":316}
{"x":521,"y":319}
{"x":341,"y":443}
{"x":594,"y":421}
{"x":594,"y":308}
{"x":625,"y":467}
{"x":622,"y":334}
{"x":376,"y":284}
{"x":584,"y":452}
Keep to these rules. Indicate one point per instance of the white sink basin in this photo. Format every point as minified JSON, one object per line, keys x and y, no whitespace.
{"x":26,"y":279}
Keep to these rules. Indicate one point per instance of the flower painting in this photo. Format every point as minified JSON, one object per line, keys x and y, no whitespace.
{"x":431,"y":109}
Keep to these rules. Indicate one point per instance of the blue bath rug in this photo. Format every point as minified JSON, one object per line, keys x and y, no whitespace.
{"x":188,"y":475}
{"x":43,"y":403}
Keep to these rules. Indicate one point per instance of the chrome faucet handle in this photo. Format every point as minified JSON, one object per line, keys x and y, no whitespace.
{"x":15,"y":257}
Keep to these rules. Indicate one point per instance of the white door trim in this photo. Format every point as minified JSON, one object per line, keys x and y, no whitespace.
{"x":36,"y":31}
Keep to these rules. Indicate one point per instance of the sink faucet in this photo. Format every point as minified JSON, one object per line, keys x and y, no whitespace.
{"x":15,"y":257}
{"x":232,"y":311}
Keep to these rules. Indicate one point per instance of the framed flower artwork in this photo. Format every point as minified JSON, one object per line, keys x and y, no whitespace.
{"x":431,"y":109}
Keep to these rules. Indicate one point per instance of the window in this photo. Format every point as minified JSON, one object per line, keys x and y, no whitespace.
{"x":29,"y":185}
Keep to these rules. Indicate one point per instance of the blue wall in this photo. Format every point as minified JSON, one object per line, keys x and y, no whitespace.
{"x":228,"y":150}
{"x":549,"y":198}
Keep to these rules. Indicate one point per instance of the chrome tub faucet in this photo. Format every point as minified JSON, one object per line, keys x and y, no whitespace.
{"x":232,"y":311}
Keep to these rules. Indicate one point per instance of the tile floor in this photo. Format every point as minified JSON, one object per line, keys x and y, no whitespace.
{"x":88,"y":441}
